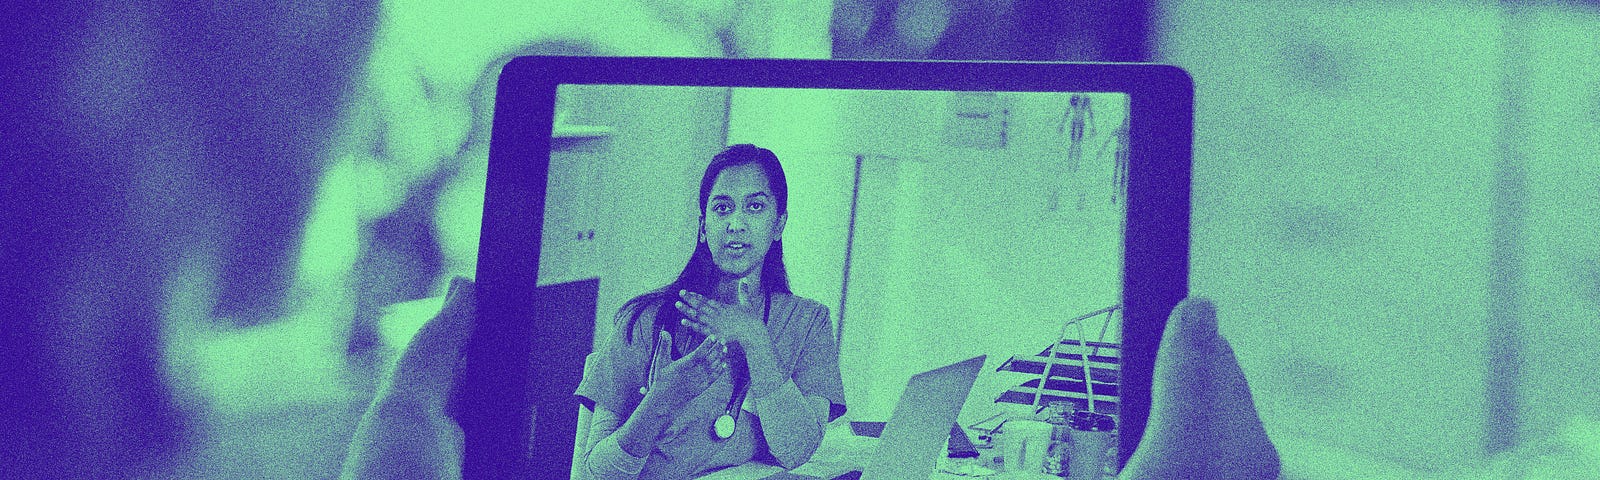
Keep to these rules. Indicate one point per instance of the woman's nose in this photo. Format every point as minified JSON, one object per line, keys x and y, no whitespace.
{"x":736,"y":223}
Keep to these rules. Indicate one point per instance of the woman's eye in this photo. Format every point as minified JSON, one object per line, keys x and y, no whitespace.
{"x":756,"y":207}
{"x":721,"y":208}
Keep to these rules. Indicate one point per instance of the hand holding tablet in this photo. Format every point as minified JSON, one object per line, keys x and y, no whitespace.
{"x":1202,"y":417}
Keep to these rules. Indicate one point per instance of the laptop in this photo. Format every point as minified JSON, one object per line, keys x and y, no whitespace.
{"x":916,"y":432}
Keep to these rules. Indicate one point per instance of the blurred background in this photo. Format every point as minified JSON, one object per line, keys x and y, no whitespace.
{"x":211,"y":210}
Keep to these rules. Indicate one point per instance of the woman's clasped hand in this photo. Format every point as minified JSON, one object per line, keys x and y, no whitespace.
{"x":739,"y":324}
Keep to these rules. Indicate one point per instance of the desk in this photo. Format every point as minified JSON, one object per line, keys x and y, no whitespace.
{"x":842,"y":451}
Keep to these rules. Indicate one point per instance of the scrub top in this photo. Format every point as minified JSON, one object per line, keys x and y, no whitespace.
{"x":803,"y":345}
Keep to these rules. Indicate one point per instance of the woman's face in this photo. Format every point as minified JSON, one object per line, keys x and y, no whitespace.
{"x":741,"y":220}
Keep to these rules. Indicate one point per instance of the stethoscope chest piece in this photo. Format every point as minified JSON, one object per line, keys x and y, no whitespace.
{"x":723,"y":428}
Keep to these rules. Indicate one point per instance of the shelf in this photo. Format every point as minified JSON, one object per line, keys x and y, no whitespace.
{"x":581,"y":131}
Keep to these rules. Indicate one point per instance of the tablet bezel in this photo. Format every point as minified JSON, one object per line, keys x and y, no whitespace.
{"x":494,"y":389}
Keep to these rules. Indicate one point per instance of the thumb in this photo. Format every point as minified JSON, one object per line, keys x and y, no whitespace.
{"x":1196,"y":371}
{"x":427,"y":369}
{"x":437,"y":344}
{"x":1192,"y":329}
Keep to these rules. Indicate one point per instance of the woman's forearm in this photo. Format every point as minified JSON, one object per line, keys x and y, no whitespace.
{"x":606,"y":461}
{"x":792,"y":424}
{"x":622,"y":452}
{"x":765,"y":378}
{"x":638,"y":434}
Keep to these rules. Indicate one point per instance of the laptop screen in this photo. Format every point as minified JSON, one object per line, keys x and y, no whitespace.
{"x":930,"y":225}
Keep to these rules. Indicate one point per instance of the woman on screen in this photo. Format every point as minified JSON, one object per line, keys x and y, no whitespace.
{"x":723,"y":365}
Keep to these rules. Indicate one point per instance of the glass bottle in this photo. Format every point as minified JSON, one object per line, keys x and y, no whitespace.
{"x":1058,"y":415}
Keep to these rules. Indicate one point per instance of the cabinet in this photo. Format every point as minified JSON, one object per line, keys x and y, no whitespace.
{"x":570,"y":223}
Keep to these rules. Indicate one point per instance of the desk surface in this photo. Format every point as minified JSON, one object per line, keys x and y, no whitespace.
{"x":842,"y":451}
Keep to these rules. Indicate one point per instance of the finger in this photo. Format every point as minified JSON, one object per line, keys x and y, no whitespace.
{"x":717,"y":369}
{"x":716,"y":356}
{"x":690,"y":310}
{"x":710,"y":351}
{"x":699,"y":301}
{"x":440,"y":341}
{"x":720,"y":352}
{"x":699,"y":327}
{"x":427,"y":369}
{"x":1192,"y":326}
{"x":713,"y":347}
{"x":1195,"y":370}
{"x":695,"y":318}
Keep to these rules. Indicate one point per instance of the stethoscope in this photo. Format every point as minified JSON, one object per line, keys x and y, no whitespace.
{"x":723,"y":428}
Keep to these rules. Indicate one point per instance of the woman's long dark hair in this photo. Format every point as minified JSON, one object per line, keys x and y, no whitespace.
{"x":700,"y":275}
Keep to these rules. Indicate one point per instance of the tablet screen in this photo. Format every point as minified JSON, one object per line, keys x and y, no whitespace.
{"x":926,"y":226}
{"x":933,"y":225}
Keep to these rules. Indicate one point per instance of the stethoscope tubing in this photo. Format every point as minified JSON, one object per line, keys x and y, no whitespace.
{"x":655,"y":345}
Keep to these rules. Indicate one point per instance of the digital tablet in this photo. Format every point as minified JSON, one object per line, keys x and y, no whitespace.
{"x":1036,"y":213}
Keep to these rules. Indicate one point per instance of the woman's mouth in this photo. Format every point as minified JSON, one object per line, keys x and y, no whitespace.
{"x":736,"y":247}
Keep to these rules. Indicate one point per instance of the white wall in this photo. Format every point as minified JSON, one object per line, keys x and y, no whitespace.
{"x":802,"y":129}
{"x":1561,"y":296}
{"x":1343,"y":166}
{"x":641,"y":197}
{"x":955,"y":254}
